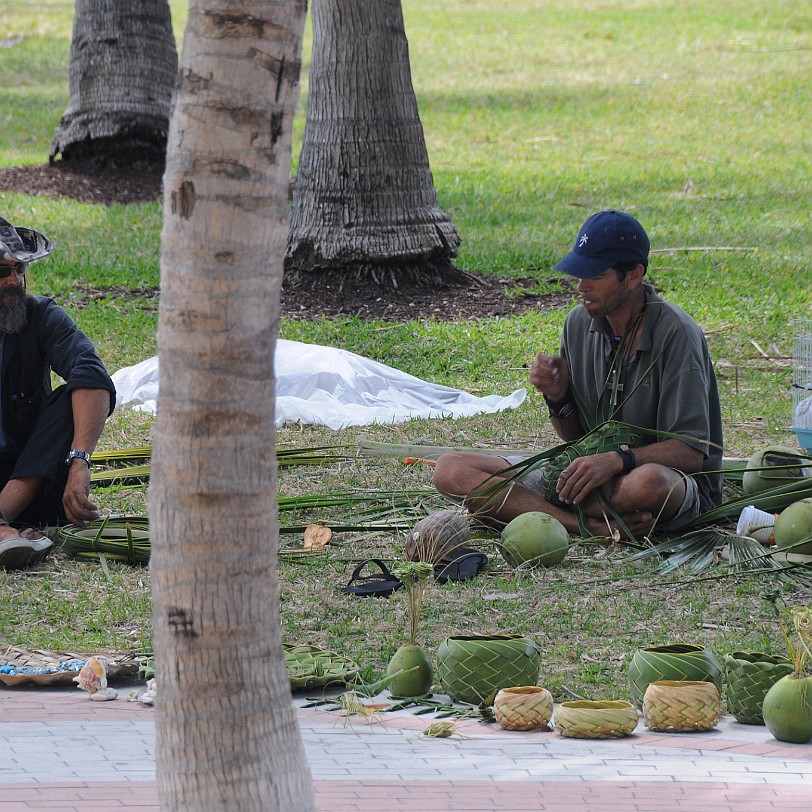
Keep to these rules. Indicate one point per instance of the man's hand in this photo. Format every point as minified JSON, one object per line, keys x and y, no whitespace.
{"x":76,"y":501}
{"x":549,"y":374}
{"x":585,"y":474}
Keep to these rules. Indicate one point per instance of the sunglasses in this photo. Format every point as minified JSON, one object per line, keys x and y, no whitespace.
{"x":16,"y":267}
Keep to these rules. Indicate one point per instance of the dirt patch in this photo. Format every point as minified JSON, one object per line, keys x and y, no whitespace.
{"x":482,"y":297}
{"x":85,"y":184}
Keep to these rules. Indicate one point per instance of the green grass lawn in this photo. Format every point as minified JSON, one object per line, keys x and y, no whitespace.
{"x":694,"y":117}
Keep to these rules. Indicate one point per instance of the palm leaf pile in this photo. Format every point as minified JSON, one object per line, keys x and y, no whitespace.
{"x":714,"y":553}
{"x":126,"y":538}
{"x":709,"y":546}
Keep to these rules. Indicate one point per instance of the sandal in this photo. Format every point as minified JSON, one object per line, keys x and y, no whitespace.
{"x":378,"y":584}
{"x":461,"y":565}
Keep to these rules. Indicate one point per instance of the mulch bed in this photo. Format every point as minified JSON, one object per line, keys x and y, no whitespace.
{"x":483,"y":297}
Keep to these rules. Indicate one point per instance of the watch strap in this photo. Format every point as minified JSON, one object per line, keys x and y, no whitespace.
{"x":629,"y":460}
{"x":77,"y":453}
{"x":563,"y":409}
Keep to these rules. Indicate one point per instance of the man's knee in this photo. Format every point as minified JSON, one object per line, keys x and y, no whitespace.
{"x":445,"y":476}
{"x":657,"y":485}
{"x":457,"y":474}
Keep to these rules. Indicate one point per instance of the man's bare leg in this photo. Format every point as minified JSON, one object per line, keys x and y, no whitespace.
{"x":15,"y":497}
{"x":480,"y":483}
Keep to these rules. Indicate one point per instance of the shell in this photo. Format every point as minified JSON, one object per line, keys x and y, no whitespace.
{"x":148,"y":697}
{"x":92,"y":676}
{"x":104,"y":694}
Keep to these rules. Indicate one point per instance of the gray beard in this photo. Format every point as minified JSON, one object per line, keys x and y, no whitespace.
{"x":14,"y":314}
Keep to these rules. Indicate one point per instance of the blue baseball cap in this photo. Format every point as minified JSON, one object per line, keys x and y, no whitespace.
{"x":605,"y":238}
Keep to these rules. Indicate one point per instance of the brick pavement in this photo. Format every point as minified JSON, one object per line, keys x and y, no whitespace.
{"x":64,"y":752}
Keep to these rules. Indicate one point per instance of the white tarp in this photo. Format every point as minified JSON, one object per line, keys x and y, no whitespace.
{"x":334,"y":388}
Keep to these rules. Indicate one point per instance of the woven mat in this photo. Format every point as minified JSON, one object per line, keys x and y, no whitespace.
{"x":312,"y":667}
{"x":308,"y":666}
{"x":24,"y":665}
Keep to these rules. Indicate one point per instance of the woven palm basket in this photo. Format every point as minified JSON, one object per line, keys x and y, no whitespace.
{"x":681,"y":706}
{"x":587,"y":719}
{"x":674,"y":661}
{"x":526,"y":707}
{"x":748,"y":677}
{"x":473,"y":668}
{"x":606,"y":437}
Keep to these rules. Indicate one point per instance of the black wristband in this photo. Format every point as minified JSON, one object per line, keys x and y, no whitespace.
{"x":629,"y":460}
{"x":563,"y":408}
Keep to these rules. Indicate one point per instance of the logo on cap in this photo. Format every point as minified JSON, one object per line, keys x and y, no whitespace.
{"x":583,"y":241}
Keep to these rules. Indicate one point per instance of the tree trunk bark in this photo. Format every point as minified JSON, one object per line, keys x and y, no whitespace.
{"x":227,"y":736}
{"x":364,"y":202}
{"x":123,"y":68}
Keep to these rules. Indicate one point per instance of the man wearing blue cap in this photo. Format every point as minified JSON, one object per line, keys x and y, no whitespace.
{"x":46,"y":437}
{"x":630,"y":356}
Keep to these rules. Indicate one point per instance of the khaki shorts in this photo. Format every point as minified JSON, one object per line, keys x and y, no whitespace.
{"x":688,"y":510}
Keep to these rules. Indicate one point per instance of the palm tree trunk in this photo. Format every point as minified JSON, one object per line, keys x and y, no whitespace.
{"x":227,"y":736}
{"x":123,"y":68}
{"x":364,"y":202}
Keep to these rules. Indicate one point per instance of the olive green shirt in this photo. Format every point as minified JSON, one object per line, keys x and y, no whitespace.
{"x":667,"y":384}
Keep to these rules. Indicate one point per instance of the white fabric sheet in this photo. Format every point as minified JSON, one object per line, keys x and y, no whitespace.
{"x":334,"y":388}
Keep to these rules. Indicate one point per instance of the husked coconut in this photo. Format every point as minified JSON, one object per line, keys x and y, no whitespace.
{"x":438,"y":535}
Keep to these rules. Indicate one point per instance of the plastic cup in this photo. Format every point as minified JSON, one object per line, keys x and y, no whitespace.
{"x":757,"y":524}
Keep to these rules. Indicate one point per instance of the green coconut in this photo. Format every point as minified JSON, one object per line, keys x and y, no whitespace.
{"x":787,"y":709}
{"x":534,"y":539}
{"x":793,"y":524}
{"x":775,"y":456}
{"x":418,"y":672}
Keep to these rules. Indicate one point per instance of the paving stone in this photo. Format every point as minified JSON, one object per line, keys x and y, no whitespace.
{"x":63,"y":752}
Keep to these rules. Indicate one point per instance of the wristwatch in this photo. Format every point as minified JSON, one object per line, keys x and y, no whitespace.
{"x":563,"y":409}
{"x":74,"y":453}
{"x":629,"y":460}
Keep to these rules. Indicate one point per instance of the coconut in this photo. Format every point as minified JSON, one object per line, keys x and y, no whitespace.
{"x":793,"y":524}
{"x":534,"y":539}
{"x":437,"y":535}
{"x":755,"y":481}
{"x":418,"y":672}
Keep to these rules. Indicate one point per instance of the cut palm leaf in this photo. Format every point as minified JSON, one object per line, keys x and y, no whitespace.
{"x":117,"y":478}
{"x":129,"y":476}
{"x":699,"y":551}
{"x":773,"y":500}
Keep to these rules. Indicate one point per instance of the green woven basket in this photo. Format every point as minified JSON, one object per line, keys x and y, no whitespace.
{"x":473,"y":668}
{"x":748,"y":677}
{"x":676,"y":661}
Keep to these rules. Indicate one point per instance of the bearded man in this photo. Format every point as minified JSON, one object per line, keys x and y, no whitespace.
{"x":46,"y":437}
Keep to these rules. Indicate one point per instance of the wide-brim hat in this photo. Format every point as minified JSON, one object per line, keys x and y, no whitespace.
{"x":22,"y":244}
{"x":605,"y":239}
